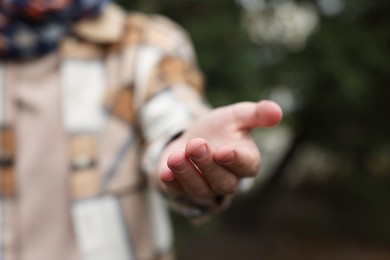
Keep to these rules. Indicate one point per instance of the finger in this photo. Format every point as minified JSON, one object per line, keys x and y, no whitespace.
{"x":242,"y":161}
{"x":188,"y":176}
{"x":169,"y":183}
{"x":221,"y":181}
{"x":249,"y":115}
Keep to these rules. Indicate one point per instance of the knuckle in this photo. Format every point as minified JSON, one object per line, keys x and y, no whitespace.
{"x":228,"y":186}
{"x":210,"y":167}
{"x":250,"y":170}
{"x":253,"y":170}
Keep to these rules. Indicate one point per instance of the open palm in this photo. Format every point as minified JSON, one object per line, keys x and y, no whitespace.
{"x":217,"y":151}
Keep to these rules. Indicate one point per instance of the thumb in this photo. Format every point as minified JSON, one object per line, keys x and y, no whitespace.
{"x":249,"y":115}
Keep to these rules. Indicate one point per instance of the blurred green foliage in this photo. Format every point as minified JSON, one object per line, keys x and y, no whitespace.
{"x":342,"y":80}
{"x":342,"y":75}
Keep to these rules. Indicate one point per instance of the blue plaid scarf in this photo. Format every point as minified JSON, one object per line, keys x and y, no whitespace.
{"x":32,"y":28}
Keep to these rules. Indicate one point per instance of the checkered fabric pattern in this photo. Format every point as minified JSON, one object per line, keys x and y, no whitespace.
{"x":80,"y":135}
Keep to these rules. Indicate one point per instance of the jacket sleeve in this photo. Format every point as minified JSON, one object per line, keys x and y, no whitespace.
{"x":169,"y":96}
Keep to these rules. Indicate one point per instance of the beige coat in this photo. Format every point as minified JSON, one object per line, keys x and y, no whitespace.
{"x":80,"y":131}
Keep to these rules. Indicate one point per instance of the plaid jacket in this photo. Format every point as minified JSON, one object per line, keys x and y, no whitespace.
{"x":80,"y":132}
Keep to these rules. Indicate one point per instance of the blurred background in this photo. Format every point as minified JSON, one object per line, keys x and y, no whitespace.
{"x":324,"y":187}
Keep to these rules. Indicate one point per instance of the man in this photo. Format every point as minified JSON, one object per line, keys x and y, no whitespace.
{"x":101,"y":113}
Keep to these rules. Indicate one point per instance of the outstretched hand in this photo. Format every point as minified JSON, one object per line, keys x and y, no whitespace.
{"x":217,"y":151}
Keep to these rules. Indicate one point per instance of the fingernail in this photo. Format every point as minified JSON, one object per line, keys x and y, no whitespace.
{"x":228,"y":158}
{"x":199,"y":153}
{"x":169,"y":178}
{"x":166,"y":175}
{"x":180,"y":166}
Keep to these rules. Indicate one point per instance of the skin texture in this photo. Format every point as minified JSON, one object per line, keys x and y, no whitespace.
{"x":217,"y":151}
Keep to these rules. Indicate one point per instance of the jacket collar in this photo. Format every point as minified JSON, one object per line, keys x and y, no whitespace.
{"x":107,"y":28}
